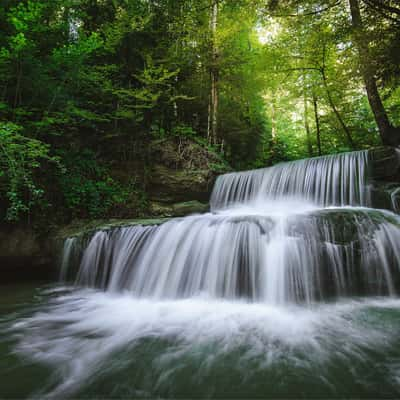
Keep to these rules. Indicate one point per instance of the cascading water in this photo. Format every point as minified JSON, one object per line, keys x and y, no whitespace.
{"x":289,"y":282}
{"x":299,"y":256}
{"x":269,"y":238}
{"x":336,"y":180}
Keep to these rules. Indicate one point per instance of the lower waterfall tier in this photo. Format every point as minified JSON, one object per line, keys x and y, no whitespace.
{"x":307,"y":254}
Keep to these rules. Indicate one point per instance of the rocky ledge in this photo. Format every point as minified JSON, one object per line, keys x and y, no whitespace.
{"x":26,"y":254}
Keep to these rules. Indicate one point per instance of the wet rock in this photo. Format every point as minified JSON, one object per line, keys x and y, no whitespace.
{"x":178,"y":209}
{"x":25,"y":255}
{"x":82,"y":228}
{"x":384,"y":178}
{"x":384,"y":164}
{"x":338,"y":226}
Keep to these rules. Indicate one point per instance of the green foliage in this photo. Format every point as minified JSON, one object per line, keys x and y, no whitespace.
{"x":20,"y":160}
{"x":87,"y":187}
{"x":184,"y":131}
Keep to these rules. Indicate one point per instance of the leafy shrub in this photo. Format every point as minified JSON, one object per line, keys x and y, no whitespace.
{"x":183,"y":131}
{"x":87,"y":187}
{"x":20,"y":159}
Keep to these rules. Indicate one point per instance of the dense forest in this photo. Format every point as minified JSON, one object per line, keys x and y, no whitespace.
{"x":90,"y":87}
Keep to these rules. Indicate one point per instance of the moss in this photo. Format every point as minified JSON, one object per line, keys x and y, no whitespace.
{"x":340,"y":226}
{"x":182,"y":209}
{"x":80,"y":228}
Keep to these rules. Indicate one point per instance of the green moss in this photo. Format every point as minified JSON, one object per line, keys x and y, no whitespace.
{"x":80,"y":228}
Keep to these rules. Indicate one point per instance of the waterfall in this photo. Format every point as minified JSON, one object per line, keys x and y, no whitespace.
{"x":67,"y":255}
{"x":299,"y":258}
{"x":291,"y":233}
{"x":338,"y":180}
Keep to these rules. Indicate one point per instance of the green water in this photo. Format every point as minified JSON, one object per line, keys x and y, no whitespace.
{"x":68,"y":343}
{"x":18,"y":377}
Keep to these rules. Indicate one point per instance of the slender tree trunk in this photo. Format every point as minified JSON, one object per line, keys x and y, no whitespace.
{"x":213,"y":111}
{"x":317,"y":126}
{"x":17,"y":95}
{"x":5,"y":89}
{"x":307,"y":126}
{"x":214,"y":107}
{"x":390,"y":135}
{"x":345,"y":128}
{"x":209,"y":119}
{"x":273,"y":120}
{"x":273,"y":141}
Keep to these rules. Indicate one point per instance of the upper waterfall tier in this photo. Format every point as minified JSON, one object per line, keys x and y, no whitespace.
{"x":339,"y":180}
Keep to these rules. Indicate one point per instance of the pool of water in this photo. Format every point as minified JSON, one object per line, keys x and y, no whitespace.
{"x":63,"y":342}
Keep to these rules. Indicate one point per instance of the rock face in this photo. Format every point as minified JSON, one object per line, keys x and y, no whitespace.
{"x":169,"y":185}
{"x":182,"y":171}
{"x":384,"y":176}
{"x":168,"y":173}
{"x":25,"y":255}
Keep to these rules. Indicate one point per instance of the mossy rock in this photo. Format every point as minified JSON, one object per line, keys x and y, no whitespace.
{"x":178,"y":209}
{"x":182,"y":170}
{"x":175,"y":185}
{"x":81,"y":228}
{"x":339,"y":226}
{"x":384,"y":164}
{"x":384,"y":178}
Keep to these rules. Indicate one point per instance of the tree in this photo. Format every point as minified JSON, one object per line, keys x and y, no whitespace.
{"x":214,"y":73}
{"x":390,"y":135}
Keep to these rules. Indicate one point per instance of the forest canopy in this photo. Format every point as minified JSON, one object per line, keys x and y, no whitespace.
{"x":86,"y":84}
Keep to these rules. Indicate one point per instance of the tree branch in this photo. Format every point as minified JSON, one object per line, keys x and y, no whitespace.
{"x":381,"y":5}
{"x":307,"y":13}
{"x":299,"y":69}
{"x":383,"y":10}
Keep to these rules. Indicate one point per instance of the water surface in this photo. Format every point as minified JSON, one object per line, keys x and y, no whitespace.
{"x":64,"y":342}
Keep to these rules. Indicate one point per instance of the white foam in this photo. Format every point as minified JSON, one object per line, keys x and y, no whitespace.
{"x":78,"y":332}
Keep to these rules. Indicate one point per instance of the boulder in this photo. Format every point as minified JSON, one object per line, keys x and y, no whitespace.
{"x":182,"y":170}
{"x":384,"y":178}
{"x":384,"y":164}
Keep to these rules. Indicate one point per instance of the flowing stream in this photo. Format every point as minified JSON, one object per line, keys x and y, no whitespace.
{"x":288,"y":288}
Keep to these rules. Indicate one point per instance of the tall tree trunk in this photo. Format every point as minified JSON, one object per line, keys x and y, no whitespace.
{"x":307,"y":126}
{"x":209,"y":119}
{"x":213,"y":109}
{"x":273,"y":120}
{"x":345,"y":128}
{"x":17,"y":95}
{"x":390,"y":135}
{"x":317,"y":126}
